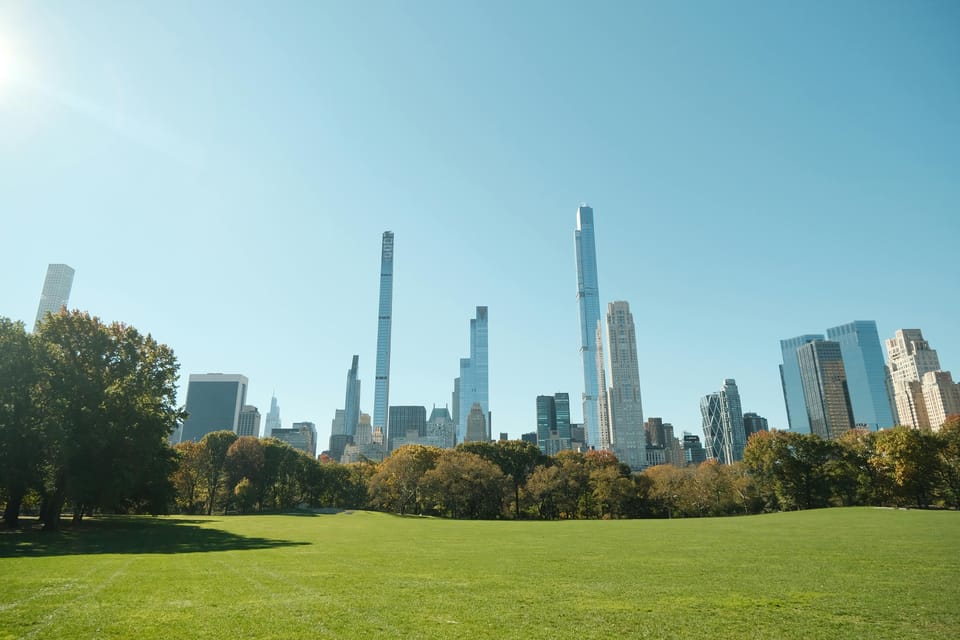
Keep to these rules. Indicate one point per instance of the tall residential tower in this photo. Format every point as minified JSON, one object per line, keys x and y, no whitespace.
{"x":381,"y":393}
{"x":474,"y":387}
{"x":588,"y":297}
{"x":628,"y":437}
{"x":56,"y":291}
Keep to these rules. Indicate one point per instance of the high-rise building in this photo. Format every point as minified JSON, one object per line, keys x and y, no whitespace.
{"x":408,"y":423}
{"x":753,"y":423}
{"x":910,"y":358}
{"x":553,"y":423}
{"x":455,"y":404}
{"x":825,"y":388}
{"x":351,"y":402}
{"x":273,"y":417}
{"x":441,"y":429}
{"x":214,"y":401}
{"x":56,"y":291}
{"x":693,"y":450}
{"x":866,"y":373}
{"x":381,"y":393}
{"x":529,"y":437}
{"x":792,"y":386}
{"x":626,"y":410}
{"x":603,"y":398}
{"x":475,"y":375}
{"x":588,"y":299}
{"x":249,"y":421}
{"x":476,"y":425}
{"x":723,"y":424}
{"x":662,"y":444}
{"x":300,"y":435}
{"x":941,"y":397}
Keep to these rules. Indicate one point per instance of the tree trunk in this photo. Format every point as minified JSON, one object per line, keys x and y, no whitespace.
{"x":50,"y":509}
{"x":11,"y":514}
{"x":77,"y":514}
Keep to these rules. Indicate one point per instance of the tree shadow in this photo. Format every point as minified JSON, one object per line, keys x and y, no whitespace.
{"x":130,"y":534}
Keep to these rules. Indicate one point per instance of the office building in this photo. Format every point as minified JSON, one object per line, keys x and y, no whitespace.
{"x":825,"y":388}
{"x":578,"y":437}
{"x":381,"y":393}
{"x":553,"y":423}
{"x":407,"y":423}
{"x":272,"y":420}
{"x":792,"y":385}
{"x":56,"y":291}
{"x":724,"y":437}
{"x":661,"y":441}
{"x":910,"y":357}
{"x":627,"y":438}
{"x":753,"y":423}
{"x":476,"y":425}
{"x":693,"y":450}
{"x":530,"y":437}
{"x":214,"y":402}
{"x":249,"y":421}
{"x":588,"y":299}
{"x":866,"y":373}
{"x":475,"y":376}
{"x":941,"y":397}
{"x":441,"y":429}
{"x":300,"y":435}
{"x":351,"y":402}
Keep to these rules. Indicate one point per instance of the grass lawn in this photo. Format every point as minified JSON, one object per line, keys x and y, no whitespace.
{"x":833,"y":573}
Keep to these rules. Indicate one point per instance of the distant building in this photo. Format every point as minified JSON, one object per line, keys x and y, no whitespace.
{"x":723,"y":424}
{"x":214,"y":401}
{"x":56,"y":291}
{"x":474,"y":387}
{"x":504,"y":436}
{"x":302,"y":436}
{"x":249,"y":422}
{"x":273,"y":417}
{"x":910,"y":358}
{"x":588,"y":300}
{"x":693,"y":451}
{"x":753,"y":423}
{"x":476,"y":425}
{"x":627,"y":440}
{"x":792,"y":385}
{"x":366,"y":446}
{"x":405,"y":420}
{"x":659,"y":436}
{"x":381,"y":393}
{"x":530,"y":437}
{"x":578,"y":437}
{"x":553,"y":423}
{"x":866,"y":373}
{"x":343,"y":431}
{"x":941,"y":397}
{"x":441,"y":429}
{"x":825,"y":388}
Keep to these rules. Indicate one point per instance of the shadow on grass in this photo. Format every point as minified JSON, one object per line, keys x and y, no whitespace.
{"x":130,"y":535}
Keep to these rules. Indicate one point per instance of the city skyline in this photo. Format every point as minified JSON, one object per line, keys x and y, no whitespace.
{"x":703,"y":163}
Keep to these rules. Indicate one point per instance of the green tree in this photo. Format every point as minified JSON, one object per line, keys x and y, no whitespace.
{"x":464,"y":485}
{"x":910,"y":460}
{"x":792,"y":466}
{"x":215,"y":446}
{"x":188,"y":478}
{"x":950,"y":460}
{"x":396,"y":484}
{"x":516,"y":458}
{"x":244,"y":461}
{"x":20,"y":437}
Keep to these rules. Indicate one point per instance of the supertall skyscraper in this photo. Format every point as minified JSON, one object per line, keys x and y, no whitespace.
{"x":273,"y":418}
{"x":56,"y":291}
{"x":475,"y":375}
{"x":723,"y":424}
{"x":628,"y":438}
{"x":588,"y":298}
{"x":351,"y":402}
{"x":792,"y":386}
{"x":214,"y":402}
{"x":381,"y":393}
{"x":866,"y":373}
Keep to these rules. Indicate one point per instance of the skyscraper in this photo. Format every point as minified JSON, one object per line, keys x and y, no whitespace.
{"x":910,"y":358}
{"x":273,"y":418}
{"x":214,"y":401}
{"x":866,"y":373}
{"x":476,"y":425}
{"x":792,"y":386}
{"x":753,"y":423}
{"x":628,"y":439}
{"x":588,"y":298}
{"x":940,"y":396}
{"x":381,"y":394}
{"x":825,"y":388}
{"x":603,"y":397}
{"x":723,"y":423}
{"x":351,"y":402}
{"x":249,"y":422}
{"x":474,"y":375}
{"x":404,"y":420}
{"x":553,"y":423}
{"x":56,"y":291}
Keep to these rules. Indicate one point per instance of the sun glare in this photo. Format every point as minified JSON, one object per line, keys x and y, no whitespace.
{"x":8,"y":63}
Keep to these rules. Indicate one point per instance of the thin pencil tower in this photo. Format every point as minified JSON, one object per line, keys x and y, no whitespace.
{"x":381,"y":396}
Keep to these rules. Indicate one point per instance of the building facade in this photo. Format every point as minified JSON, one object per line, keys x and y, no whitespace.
{"x":56,"y":291}
{"x":588,"y":300}
{"x":753,"y":423}
{"x":866,"y":373}
{"x":214,"y":402}
{"x":825,"y":388}
{"x":249,"y":422}
{"x":627,"y":437}
{"x":476,"y":425}
{"x":408,"y":423}
{"x":553,"y":423}
{"x":351,"y":401}
{"x":272,"y":420}
{"x":723,"y":424}
{"x":300,"y":435}
{"x":792,"y":385}
{"x":910,"y":357}
{"x":941,"y":397}
{"x":475,"y":375}
{"x":381,"y":393}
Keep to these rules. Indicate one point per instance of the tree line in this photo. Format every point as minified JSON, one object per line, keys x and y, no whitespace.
{"x":86,"y":409}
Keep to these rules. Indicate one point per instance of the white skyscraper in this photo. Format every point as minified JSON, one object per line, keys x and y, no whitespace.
{"x":588,"y":300}
{"x":910,"y":357}
{"x":628,"y":439}
{"x":381,"y":391}
{"x":56,"y":291}
{"x":723,"y":424}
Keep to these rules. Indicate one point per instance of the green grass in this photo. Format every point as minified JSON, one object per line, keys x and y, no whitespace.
{"x":836,"y":573}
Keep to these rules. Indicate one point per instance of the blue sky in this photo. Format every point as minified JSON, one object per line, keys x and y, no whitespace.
{"x":220,"y":174}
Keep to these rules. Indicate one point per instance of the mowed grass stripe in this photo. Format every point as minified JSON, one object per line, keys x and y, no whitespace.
{"x":852,"y":573}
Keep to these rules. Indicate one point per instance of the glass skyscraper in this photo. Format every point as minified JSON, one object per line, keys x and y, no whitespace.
{"x":825,"y":388}
{"x":381,"y":393}
{"x":723,"y":429}
{"x":214,"y":401}
{"x":56,"y":291}
{"x":792,"y":386}
{"x":474,"y":375}
{"x":588,"y":298}
{"x":553,"y":423}
{"x":866,"y":373}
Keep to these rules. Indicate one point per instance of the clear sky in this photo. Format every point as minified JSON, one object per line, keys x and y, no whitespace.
{"x":220,"y":174}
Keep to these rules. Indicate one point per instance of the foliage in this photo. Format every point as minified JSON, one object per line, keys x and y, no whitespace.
{"x":396,"y":486}
{"x":464,"y":485}
{"x":910,"y":458}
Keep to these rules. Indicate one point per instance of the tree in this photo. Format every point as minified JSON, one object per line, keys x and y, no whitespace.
{"x":244,"y":461}
{"x":188,"y":478}
{"x":910,"y":459}
{"x":215,"y":446}
{"x":950,"y":460}
{"x":20,"y":437}
{"x":396,"y":484}
{"x":516,"y":458}
{"x":106,"y":402}
{"x":464,"y":485}
{"x":792,"y":466}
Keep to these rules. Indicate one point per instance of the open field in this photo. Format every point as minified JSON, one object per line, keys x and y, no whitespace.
{"x":837,"y":573}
